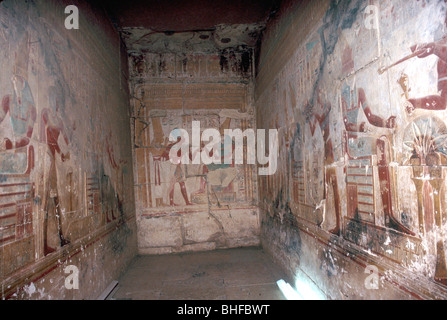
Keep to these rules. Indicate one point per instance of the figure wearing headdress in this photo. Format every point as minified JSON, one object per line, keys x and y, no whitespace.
{"x":20,"y":105}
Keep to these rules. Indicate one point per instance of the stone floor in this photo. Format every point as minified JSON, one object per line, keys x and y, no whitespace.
{"x":231,"y":274}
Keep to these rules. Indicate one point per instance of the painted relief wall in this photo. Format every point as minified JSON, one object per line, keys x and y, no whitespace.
{"x":65,"y":160}
{"x":359,"y":101}
{"x":194,"y":206}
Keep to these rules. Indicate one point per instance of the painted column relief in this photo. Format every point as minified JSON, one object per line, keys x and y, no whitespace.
{"x":367,"y":153}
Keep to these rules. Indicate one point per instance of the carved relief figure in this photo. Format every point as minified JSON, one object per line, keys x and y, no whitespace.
{"x":110,"y":193}
{"x":20,"y":106}
{"x":53,"y":128}
{"x":321,"y":117}
{"x":159,"y":149}
{"x":178,"y":176}
{"x":221,"y":176}
{"x":425,"y":140}
{"x":218,"y":176}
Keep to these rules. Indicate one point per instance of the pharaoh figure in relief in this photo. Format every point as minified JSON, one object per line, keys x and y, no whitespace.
{"x":17,"y":120}
{"x":321,"y":117}
{"x":425,"y":147}
{"x":52,"y":127}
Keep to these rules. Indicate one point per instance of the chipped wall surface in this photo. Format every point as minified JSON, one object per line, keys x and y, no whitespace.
{"x":357,"y":92}
{"x":189,"y":207}
{"x":66,"y":195}
{"x":221,"y":37}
